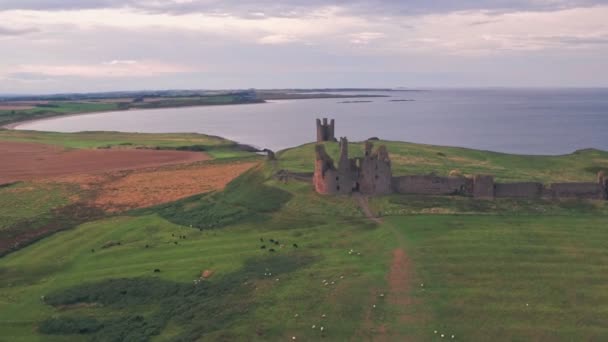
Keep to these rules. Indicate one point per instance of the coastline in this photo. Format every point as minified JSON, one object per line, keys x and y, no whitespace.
{"x":14,"y":125}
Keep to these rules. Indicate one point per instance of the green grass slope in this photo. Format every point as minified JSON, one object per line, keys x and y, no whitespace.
{"x":217,"y":147}
{"x":409,"y":158}
{"x":53,"y":109}
{"x":500,"y":270}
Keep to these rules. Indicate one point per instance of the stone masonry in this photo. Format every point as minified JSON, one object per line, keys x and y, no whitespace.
{"x":372,"y":175}
{"x":325,"y":130}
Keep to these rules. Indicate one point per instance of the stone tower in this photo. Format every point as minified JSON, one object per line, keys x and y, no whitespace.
{"x":370,"y":175}
{"x":603,"y":181}
{"x":375,"y":175}
{"x":325,"y":130}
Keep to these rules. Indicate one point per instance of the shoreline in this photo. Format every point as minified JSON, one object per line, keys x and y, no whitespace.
{"x":14,"y":125}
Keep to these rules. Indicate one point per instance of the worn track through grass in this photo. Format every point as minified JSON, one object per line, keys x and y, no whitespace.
{"x":398,"y":279}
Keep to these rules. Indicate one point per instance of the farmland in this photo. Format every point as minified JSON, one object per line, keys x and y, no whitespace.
{"x":427,"y":268}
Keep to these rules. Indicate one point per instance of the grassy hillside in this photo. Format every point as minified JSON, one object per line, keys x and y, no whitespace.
{"x":409,"y":158}
{"x":53,"y":109}
{"x":216,"y":146}
{"x":16,"y":111}
{"x":478,"y":270}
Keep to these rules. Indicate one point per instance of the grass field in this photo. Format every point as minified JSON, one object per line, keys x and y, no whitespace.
{"x":26,"y":201}
{"x":43,"y":109}
{"x":504,"y":270}
{"x":215,"y":146}
{"x":512,"y":278}
{"x":53,"y":109}
{"x":409,"y":158}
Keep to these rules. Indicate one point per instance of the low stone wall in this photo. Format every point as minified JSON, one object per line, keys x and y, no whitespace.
{"x":431,"y":185}
{"x":578,"y":190}
{"x":519,"y":190}
{"x":483,"y":186}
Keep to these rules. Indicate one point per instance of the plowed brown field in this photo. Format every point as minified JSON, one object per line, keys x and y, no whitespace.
{"x":27,"y":161}
{"x":118,"y":191}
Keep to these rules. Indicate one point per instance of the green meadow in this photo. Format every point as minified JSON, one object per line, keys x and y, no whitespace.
{"x":410,"y":158}
{"x":46,"y":109}
{"x":217,"y":147}
{"x":40,"y":111}
{"x":505,"y":270}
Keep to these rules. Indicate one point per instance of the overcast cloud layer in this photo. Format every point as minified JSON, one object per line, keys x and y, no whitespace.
{"x":97,"y":45}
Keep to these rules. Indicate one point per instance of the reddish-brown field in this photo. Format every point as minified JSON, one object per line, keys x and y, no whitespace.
{"x":9,"y":106}
{"x":105,"y":181}
{"x":30,"y":161}
{"x":123,"y":190}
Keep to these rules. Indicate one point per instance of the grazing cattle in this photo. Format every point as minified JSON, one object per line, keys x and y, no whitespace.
{"x":156,"y":270}
{"x":263,"y":247}
{"x":271,"y":250}
{"x":173,"y":235}
{"x":276,"y":242}
{"x":295,"y":245}
{"x":261,"y":239}
{"x":175,"y":242}
{"x":271,"y":240}
{"x":147,"y":246}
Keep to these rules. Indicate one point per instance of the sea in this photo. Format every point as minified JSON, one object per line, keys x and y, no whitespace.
{"x":521,"y":121}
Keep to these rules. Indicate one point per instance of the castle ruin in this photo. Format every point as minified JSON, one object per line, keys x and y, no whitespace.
{"x":325,"y":130}
{"x":372,"y":175}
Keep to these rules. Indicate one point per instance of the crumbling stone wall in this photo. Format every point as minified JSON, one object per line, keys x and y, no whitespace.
{"x":519,"y":190}
{"x":325,"y":130}
{"x":370,"y":175}
{"x":324,"y":178}
{"x":578,"y":190}
{"x":483,"y":186}
{"x":432,"y":185}
{"x":375,"y":174}
{"x":602,"y":179}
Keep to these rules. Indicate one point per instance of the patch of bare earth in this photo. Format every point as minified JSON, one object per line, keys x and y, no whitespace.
{"x":151,"y":187}
{"x":132,"y":189}
{"x":15,"y":107}
{"x":107,"y":181}
{"x":399,"y":281}
{"x":29,"y":161}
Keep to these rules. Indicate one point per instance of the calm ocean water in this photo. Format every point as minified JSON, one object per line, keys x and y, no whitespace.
{"x":525,"y":121}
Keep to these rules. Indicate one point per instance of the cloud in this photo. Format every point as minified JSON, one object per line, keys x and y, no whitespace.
{"x":110,"y":43}
{"x":364,"y":38}
{"x":277,"y":39}
{"x":295,"y":8}
{"x":27,"y":77}
{"x":8,"y":31}
{"x":112,"y":69}
{"x":120,"y":61}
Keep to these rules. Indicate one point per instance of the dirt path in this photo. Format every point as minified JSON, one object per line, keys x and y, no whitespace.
{"x":399,"y":280}
{"x":363,"y":203}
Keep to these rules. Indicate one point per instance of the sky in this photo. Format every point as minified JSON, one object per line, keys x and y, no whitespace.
{"x":55,"y":46}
